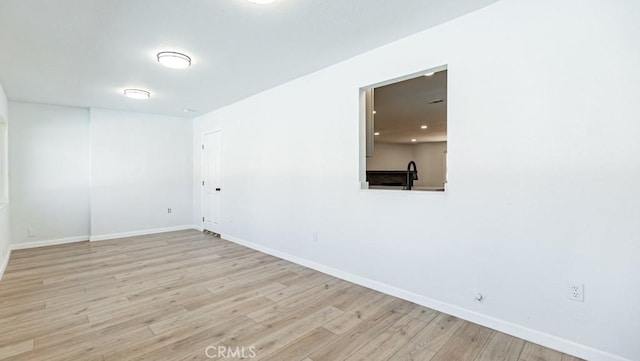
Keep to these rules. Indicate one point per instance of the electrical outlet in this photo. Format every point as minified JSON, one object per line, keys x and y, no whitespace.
{"x":576,"y":292}
{"x":31,"y":232}
{"x":316,"y":238}
{"x":169,"y":210}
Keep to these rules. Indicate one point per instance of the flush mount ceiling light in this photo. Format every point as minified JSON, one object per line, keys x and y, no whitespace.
{"x":429,"y":74}
{"x":423,"y":127}
{"x":137,"y":94}
{"x":414,"y":140}
{"x":174,"y":60}
{"x":262,"y":2}
{"x":376,"y":133}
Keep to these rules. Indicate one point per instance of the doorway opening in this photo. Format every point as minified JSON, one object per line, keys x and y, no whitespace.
{"x":211,"y":181}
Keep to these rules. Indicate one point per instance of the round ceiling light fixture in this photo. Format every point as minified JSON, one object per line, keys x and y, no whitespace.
{"x":174,"y":60}
{"x":414,"y":140}
{"x":424,"y":127}
{"x":137,"y":94}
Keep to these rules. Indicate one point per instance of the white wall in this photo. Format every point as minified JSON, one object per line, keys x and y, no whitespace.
{"x":5,"y":233}
{"x":49,"y":166}
{"x":544,"y":163}
{"x":80,"y":174}
{"x":141,"y":166}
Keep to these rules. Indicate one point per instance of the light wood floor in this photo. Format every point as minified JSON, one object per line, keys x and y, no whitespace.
{"x":175,"y":295}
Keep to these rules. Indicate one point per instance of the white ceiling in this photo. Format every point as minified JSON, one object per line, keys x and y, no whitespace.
{"x":85,"y":52}
{"x":403,"y":107}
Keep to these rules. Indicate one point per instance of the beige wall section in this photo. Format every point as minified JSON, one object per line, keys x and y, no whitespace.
{"x":430,"y":159}
{"x":388,"y":156}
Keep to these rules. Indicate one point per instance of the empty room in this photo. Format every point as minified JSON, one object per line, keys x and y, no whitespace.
{"x":319,"y":180}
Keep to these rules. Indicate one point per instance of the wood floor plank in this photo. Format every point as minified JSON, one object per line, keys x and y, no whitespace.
{"x":237,"y":294}
{"x":13,"y":310}
{"x":126,"y":310}
{"x":170,"y":296}
{"x":210,"y":352}
{"x":87,"y":348}
{"x":569,"y":358}
{"x":533,"y":352}
{"x":501,"y":347}
{"x":39,"y":328}
{"x":383,"y":346}
{"x":176,"y":338}
{"x":86,"y":333}
{"x":316,"y":296}
{"x":16,"y":349}
{"x":283,"y":332}
{"x":208,"y":315}
{"x":411,"y":351}
{"x":199,"y":341}
{"x":357,"y":338}
{"x":465,"y":344}
{"x":438,"y":332}
{"x":300,"y":284}
{"x":303,"y":347}
{"x":423,"y":313}
{"x":358,"y":313}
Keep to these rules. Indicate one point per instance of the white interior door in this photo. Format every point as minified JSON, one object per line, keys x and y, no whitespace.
{"x":211,"y":180}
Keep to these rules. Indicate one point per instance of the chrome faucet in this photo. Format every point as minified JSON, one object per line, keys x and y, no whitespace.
{"x":411,"y":175}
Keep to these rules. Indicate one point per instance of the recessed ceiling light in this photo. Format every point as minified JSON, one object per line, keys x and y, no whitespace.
{"x":137,"y":94}
{"x":262,"y":1}
{"x":374,"y":112}
{"x":414,"y":140}
{"x":429,"y":74}
{"x":174,"y":60}
{"x":376,"y":133}
{"x":423,"y":127}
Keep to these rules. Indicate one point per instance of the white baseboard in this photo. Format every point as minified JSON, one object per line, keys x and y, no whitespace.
{"x":544,"y":339}
{"x":144,"y":232}
{"x":51,"y":242}
{"x":5,"y":263}
{"x":197,"y":228}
